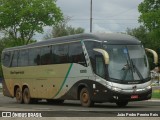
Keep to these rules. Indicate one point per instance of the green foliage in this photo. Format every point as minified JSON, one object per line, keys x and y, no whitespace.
{"x":142,"y":34}
{"x":150,"y":17}
{"x":22,"y":18}
{"x":63,"y":29}
{"x":156,"y":94}
{"x":145,"y":36}
{"x":150,"y":14}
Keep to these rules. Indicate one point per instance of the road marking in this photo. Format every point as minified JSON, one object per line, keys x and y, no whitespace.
{"x":42,"y":108}
{"x":76,"y":110}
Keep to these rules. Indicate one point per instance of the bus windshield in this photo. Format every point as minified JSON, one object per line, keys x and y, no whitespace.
{"x":127,"y":62}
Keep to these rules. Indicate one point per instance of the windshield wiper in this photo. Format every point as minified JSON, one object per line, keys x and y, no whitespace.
{"x":126,"y":69}
{"x":136,"y":70}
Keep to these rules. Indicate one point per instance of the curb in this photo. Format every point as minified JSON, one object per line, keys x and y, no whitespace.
{"x":154,"y":100}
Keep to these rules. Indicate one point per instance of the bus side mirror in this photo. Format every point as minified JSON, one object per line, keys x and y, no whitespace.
{"x":155,"y":56}
{"x":104,"y":53}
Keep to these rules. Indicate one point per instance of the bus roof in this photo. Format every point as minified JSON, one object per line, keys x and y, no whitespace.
{"x":109,"y":38}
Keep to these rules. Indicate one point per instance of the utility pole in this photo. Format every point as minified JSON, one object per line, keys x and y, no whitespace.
{"x":91,"y":17}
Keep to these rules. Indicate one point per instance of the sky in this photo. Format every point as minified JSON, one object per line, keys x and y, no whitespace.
{"x":109,"y":16}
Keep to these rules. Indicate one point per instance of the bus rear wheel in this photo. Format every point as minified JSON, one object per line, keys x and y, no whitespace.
{"x":26,"y":96}
{"x":121,"y":103}
{"x":85,"y":98}
{"x":18,"y":95}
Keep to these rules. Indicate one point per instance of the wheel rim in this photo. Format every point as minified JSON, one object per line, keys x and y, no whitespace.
{"x":18,"y":96}
{"x":85,"y":97}
{"x":26,"y":97}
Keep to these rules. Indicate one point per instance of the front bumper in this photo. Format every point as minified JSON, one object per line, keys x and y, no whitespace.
{"x":104,"y":94}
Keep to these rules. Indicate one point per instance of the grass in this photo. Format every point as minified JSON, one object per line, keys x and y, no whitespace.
{"x":156,"y":94}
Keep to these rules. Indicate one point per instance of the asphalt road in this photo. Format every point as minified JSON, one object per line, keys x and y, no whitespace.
{"x":73,"y":108}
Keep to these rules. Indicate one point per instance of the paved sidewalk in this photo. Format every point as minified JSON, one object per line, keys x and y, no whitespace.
{"x":154,"y":100}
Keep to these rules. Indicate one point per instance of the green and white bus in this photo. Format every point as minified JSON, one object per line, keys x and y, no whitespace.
{"x":92,"y":68}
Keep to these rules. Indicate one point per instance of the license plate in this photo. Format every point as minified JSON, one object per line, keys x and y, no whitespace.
{"x":134,"y":97}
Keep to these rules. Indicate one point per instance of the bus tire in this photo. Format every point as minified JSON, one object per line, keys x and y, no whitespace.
{"x":121,"y":103}
{"x":85,"y":98}
{"x":26,"y":96}
{"x":18,"y":95}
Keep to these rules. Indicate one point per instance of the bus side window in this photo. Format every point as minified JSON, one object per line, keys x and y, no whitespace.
{"x":6,"y":58}
{"x":23,"y":58}
{"x":76,"y":54}
{"x":46,"y":57}
{"x":34,"y":56}
{"x":60,"y":53}
{"x":100,"y":68}
{"x":15,"y":59}
{"x":90,"y":45}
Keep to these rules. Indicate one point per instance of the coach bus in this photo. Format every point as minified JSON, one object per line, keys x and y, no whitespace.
{"x":92,"y":68}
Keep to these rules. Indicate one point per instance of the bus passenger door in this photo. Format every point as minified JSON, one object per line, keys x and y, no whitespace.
{"x":101,"y":63}
{"x":100,"y":66}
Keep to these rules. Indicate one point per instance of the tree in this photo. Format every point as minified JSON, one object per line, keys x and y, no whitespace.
{"x":5,"y":43}
{"x":144,"y":36}
{"x":22,"y":18}
{"x":63,"y":29}
{"x":150,"y":15}
{"x":139,"y":32}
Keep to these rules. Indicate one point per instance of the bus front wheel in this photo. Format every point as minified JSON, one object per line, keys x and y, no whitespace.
{"x":121,"y":103}
{"x":18,"y":95}
{"x":85,"y":98}
{"x":26,"y":96}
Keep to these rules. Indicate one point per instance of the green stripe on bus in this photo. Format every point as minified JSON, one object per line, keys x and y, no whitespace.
{"x":64,"y":80}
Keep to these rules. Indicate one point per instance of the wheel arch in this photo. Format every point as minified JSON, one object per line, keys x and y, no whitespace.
{"x":15,"y":88}
{"x":80,"y":87}
{"x":24,"y":86}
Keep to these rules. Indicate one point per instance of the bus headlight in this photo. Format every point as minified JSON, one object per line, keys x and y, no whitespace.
{"x":149,"y":87}
{"x":116,"y":89}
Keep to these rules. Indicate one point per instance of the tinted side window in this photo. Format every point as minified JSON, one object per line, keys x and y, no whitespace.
{"x":46,"y":55}
{"x":76,"y":53}
{"x":15,"y":59}
{"x":6,"y":59}
{"x":60,"y":53}
{"x":90,"y":45}
{"x":23,"y":58}
{"x":34,"y":56}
